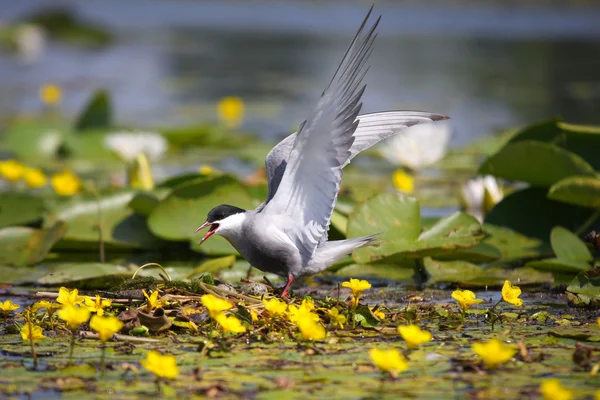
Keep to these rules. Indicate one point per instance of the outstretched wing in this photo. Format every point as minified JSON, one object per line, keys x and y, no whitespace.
{"x":311,"y":181}
{"x":372,"y":128}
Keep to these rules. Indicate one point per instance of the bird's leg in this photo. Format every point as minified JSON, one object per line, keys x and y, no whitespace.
{"x":285,"y":294}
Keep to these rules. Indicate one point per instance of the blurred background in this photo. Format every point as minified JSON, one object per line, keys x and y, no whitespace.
{"x":489,"y":65}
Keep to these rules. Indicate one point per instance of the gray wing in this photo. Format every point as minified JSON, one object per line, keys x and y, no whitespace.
{"x":372,"y":128}
{"x":311,"y":181}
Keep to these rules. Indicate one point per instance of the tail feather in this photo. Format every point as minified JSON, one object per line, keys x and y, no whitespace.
{"x":330,"y":252}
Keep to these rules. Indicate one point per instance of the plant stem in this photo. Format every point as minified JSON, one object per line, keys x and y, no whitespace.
{"x":158,"y":387}
{"x":94,"y":191}
{"x":72,"y":347}
{"x":587,"y":223}
{"x":30,"y":327}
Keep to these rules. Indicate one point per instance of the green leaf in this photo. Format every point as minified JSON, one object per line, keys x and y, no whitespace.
{"x":21,"y":246}
{"x":399,"y":218}
{"x":144,"y":203}
{"x":178,"y":216}
{"x":579,"y":139}
{"x":32,"y":140}
{"x":568,"y":246}
{"x":530,"y":213}
{"x":578,"y":190}
{"x":513,"y":245}
{"x":451,"y":271}
{"x":396,"y":272}
{"x":483,"y":252}
{"x":586,"y":283}
{"x":537,"y":163}
{"x":212,"y":266}
{"x":97,"y":112}
{"x":20,"y":209}
{"x":121,"y":227}
{"x":364,"y":316}
{"x":559,"y":265}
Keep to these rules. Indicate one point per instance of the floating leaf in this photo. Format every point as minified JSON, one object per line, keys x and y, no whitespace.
{"x":586,"y":283}
{"x":365,"y":317}
{"x":396,"y":272}
{"x":26,"y":246}
{"x":121,"y":227}
{"x":568,"y":246}
{"x":398,"y":217}
{"x":178,"y":216}
{"x":530,"y":213}
{"x":31,"y":139}
{"x":513,"y":245}
{"x":483,"y":252}
{"x":559,"y":265}
{"x":578,"y":190}
{"x":539,"y":164}
{"x":212,"y":266}
{"x":451,"y":271}
{"x":20,"y":209}
{"x":97,"y":112}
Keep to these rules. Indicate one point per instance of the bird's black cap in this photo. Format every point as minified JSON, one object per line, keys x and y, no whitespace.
{"x":223,"y":211}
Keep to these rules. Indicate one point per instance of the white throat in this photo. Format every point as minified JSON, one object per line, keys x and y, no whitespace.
{"x":231,"y":227}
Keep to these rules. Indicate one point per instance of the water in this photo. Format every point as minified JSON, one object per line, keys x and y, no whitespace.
{"x":489,"y":66}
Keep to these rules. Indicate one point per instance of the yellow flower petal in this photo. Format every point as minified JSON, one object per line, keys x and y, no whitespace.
{"x":106,"y":326}
{"x":34,"y":178}
{"x":163,"y":366}
{"x":65,"y":183}
{"x":413,"y":335}
{"x":552,"y":389}
{"x":11,"y":170}
{"x":465,"y":298}
{"x":74,"y":315}
{"x":215,"y":305}
{"x":50,"y":94}
{"x":494,"y":352}
{"x":391,"y":360}
{"x":403,"y":181}
{"x":511,"y":294}
{"x":231,"y":111}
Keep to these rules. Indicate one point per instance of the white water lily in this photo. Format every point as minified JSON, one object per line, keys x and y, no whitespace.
{"x":129,"y":145}
{"x":50,"y":142}
{"x":418,"y":146}
{"x":30,"y":42}
{"x":480,"y":194}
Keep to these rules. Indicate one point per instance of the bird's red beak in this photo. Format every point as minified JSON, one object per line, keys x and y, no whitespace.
{"x":211,"y":231}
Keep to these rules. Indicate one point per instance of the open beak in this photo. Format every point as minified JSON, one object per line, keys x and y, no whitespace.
{"x":211,"y":231}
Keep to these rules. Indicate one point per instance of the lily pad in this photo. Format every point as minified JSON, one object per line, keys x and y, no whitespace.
{"x":32,"y":139}
{"x":398,"y":217}
{"x":451,"y":271}
{"x":530,"y":213}
{"x":586,"y":283}
{"x":539,"y":164}
{"x":178,"y":216}
{"x":578,"y":190}
{"x":212,"y":266}
{"x":20,"y":209}
{"x":121,"y":227}
{"x":403,"y":272}
{"x":559,"y":265}
{"x":26,"y":246}
{"x":568,"y":246}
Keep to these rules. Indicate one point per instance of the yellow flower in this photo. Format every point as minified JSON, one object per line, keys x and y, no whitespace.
{"x":11,"y":170}
{"x":465,"y":298}
{"x":161,"y":366}
{"x":205,"y":170}
{"x":65,"y":183}
{"x":598,"y":322}
{"x":391,"y":360}
{"x":231,"y":111}
{"x":403,"y":181}
{"x":50,"y":94}
{"x":511,"y":294}
{"x":106,"y":326}
{"x":336,"y":318}
{"x":98,"y":305}
{"x":379,"y":314}
{"x":74,"y":315}
{"x":551,"y":389}
{"x":253,"y":315}
{"x":305,"y":310}
{"x":69,"y":297}
{"x":215,"y":305}
{"x":49,"y":306}
{"x":275,"y":307}
{"x":35,"y":331}
{"x":494,"y":352}
{"x":413,"y":335}
{"x":229,"y":323}
{"x":309,"y":328}
{"x":34,"y":178}
{"x":152,"y":301}
{"x":8,"y":306}
{"x":357,"y":286}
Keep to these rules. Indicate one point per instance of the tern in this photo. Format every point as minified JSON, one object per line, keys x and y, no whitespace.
{"x":287,"y":234}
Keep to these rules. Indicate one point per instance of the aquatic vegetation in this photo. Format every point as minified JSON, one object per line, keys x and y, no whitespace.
{"x":74,"y":315}
{"x":69,"y":297}
{"x":413,"y":335}
{"x":215,"y":305}
{"x":34,"y":178}
{"x":335,"y":318}
{"x":275,"y":307}
{"x":465,"y":298}
{"x":65,"y":183}
{"x":163,"y":366}
{"x":97,"y":304}
{"x":494,"y":352}
{"x":51,"y":94}
{"x":357,"y":287}
{"x":231,"y":111}
{"x":11,"y":170}
{"x":403,"y":181}
{"x":552,"y":389}
{"x":152,"y":301}
{"x":7,"y":307}
{"x":511,"y":293}
{"x":105,"y":326}
{"x":390,"y":360}
{"x":229,"y":323}
{"x":479,"y":195}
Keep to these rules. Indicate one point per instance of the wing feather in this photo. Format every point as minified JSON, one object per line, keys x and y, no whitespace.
{"x":311,"y":181}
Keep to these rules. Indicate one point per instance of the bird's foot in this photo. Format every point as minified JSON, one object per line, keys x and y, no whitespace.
{"x":285,"y":293}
